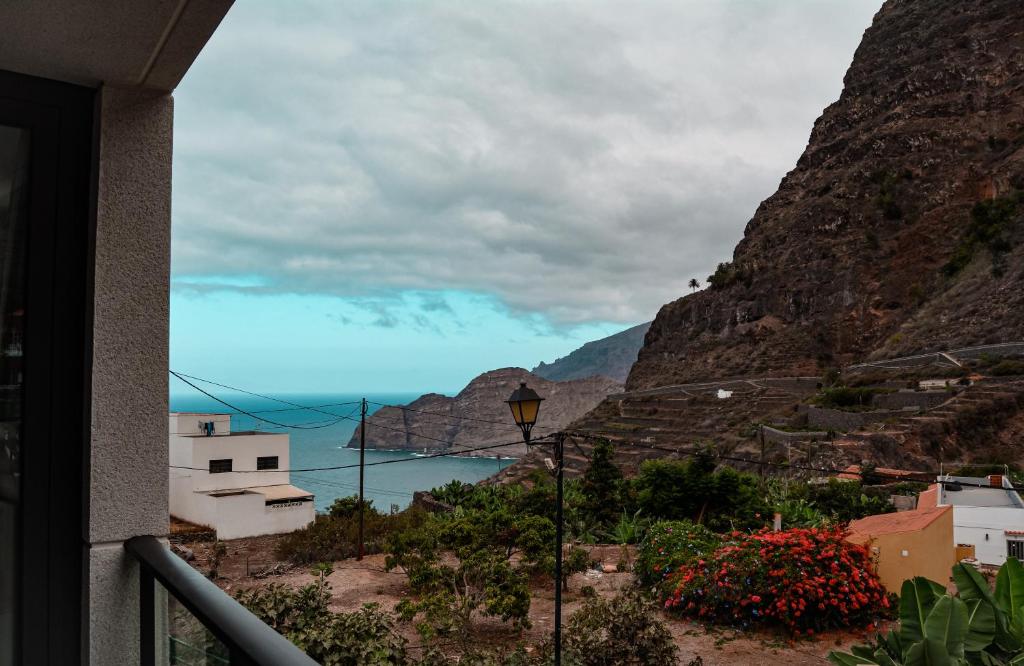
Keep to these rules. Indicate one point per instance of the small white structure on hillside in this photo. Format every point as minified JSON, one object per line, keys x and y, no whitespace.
{"x":988,"y":516}
{"x":235,"y":482}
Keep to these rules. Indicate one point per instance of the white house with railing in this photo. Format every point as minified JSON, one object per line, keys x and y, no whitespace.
{"x":235,"y":482}
{"x":988,"y":516}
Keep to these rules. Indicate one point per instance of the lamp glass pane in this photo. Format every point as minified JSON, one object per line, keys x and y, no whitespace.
{"x":529,"y":410}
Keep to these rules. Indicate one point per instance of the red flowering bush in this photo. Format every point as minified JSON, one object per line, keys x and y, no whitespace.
{"x":806,"y":580}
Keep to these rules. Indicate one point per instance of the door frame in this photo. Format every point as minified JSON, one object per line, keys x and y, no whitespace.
{"x":57,"y":362}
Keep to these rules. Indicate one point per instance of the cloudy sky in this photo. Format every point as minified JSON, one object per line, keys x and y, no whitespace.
{"x":400,"y":195}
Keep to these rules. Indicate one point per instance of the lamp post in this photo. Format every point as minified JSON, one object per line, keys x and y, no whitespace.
{"x":525,"y":404}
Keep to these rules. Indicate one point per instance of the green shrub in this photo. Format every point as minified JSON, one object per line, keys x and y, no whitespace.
{"x":847,"y":397}
{"x":336,"y":537}
{"x":622,"y":631}
{"x":601,"y":486}
{"x":668,"y":545}
{"x":365,"y":637}
{"x":693,"y":489}
{"x":1007,"y":367}
{"x":496,"y":553}
{"x":990,"y":223}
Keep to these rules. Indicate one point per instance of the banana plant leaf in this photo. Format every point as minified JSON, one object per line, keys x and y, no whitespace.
{"x":1010,"y":595}
{"x":930,"y":652}
{"x":981,"y":625}
{"x":947,"y":624}
{"x":917,"y":598}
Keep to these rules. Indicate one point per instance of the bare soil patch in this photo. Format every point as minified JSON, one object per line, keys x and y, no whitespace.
{"x":251,"y":563}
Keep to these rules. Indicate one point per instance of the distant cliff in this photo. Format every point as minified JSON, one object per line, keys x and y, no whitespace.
{"x":489,"y":421}
{"x":610,"y":357}
{"x":901,"y":227}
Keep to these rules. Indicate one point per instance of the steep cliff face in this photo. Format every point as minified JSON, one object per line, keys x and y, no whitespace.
{"x":610,"y":357}
{"x":479,"y":416}
{"x":901,"y":227}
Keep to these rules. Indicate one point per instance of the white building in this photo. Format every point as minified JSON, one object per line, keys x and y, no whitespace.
{"x":988,"y":521}
{"x":235,"y":482}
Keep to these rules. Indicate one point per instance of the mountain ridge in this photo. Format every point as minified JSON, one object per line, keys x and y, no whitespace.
{"x":900,"y":227}
{"x":612,"y":357}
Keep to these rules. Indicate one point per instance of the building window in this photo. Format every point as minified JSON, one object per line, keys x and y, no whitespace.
{"x":220,"y":466}
{"x":1015,"y":549}
{"x":266,"y":462}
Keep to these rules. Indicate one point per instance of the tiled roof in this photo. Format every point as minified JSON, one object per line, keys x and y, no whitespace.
{"x":929,"y":499}
{"x":852,"y":473}
{"x":892,"y":523}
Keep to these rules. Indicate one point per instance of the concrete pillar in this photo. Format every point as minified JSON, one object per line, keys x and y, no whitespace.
{"x":127,"y":467}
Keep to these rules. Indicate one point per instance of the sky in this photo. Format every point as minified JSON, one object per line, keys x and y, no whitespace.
{"x":397,"y":196}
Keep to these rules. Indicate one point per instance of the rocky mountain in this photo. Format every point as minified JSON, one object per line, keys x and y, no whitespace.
{"x":611,"y":357}
{"x":478,"y":415}
{"x":900,"y":229}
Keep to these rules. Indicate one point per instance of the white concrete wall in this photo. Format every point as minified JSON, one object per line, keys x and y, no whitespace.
{"x":972,"y":524}
{"x":247,"y":515}
{"x":243,"y":451}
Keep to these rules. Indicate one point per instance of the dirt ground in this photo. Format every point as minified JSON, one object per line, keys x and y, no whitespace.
{"x":250,"y":563}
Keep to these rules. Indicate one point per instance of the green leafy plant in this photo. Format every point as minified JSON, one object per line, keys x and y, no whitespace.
{"x":977,"y":626}
{"x":363,"y":638}
{"x":601,"y":486}
{"x":622,"y":631}
{"x":669,"y":545}
{"x":495,"y":554}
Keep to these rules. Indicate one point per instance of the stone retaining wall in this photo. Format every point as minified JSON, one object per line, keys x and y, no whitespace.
{"x":426,"y":501}
{"x":836,"y":419}
{"x":782,"y":436}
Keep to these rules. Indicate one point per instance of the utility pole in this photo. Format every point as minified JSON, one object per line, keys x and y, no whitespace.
{"x":559,"y":448}
{"x":362,"y":456}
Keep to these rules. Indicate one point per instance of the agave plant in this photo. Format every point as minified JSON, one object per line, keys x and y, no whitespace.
{"x":976,"y":627}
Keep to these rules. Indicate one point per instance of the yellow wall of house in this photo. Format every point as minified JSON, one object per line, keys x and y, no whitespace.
{"x":930,"y":553}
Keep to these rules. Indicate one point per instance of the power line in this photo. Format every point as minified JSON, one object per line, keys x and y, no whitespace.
{"x":447,"y":416}
{"x":379,"y":462}
{"x":253,"y":414}
{"x":182,"y":376}
{"x":924,"y":475}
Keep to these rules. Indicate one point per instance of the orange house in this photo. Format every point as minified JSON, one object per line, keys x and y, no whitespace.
{"x":908,"y":544}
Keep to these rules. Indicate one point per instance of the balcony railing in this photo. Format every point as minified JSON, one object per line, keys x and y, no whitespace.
{"x":186,"y":619}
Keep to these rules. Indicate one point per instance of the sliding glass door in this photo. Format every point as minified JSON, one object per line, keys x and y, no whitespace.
{"x":14,"y":176}
{"x":46,"y":224}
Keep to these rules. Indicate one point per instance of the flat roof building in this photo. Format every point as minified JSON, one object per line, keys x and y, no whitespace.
{"x":234,"y":482}
{"x":988,"y":516}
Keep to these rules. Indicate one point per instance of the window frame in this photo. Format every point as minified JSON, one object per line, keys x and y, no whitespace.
{"x":260,"y":463}
{"x":229,"y":461}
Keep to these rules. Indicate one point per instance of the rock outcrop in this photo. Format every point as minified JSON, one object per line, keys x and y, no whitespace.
{"x":610,"y":357}
{"x":479,"y":416}
{"x":900,"y":229}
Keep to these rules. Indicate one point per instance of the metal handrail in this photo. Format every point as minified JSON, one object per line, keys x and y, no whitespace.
{"x":250,"y":641}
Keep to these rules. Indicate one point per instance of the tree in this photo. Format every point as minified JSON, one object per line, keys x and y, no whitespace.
{"x":694,"y":284}
{"x":497,"y":552}
{"x":601,"y":484}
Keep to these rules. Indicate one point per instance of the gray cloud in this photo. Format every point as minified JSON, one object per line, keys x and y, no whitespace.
{"x":581,"y":161}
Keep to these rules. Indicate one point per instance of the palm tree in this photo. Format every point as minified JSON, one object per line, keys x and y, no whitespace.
{"x":694,"y":284}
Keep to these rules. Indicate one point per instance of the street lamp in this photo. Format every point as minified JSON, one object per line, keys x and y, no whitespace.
{"x":525,"y":404}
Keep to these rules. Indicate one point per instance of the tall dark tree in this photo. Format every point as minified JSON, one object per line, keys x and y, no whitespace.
{"x":601,"y":485}
{"x":694,"y":284}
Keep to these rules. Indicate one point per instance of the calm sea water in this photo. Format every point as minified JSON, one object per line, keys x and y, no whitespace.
{"x":326,"y":447}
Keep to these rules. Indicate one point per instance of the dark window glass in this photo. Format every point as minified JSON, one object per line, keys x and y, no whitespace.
{"x":220,"y":466}
{"x":1015,"y":549}
{"x":13,"y":211}
{"x":266,"y":462}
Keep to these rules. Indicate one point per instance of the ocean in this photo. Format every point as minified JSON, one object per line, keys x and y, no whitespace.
{"x":386,"y":485}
